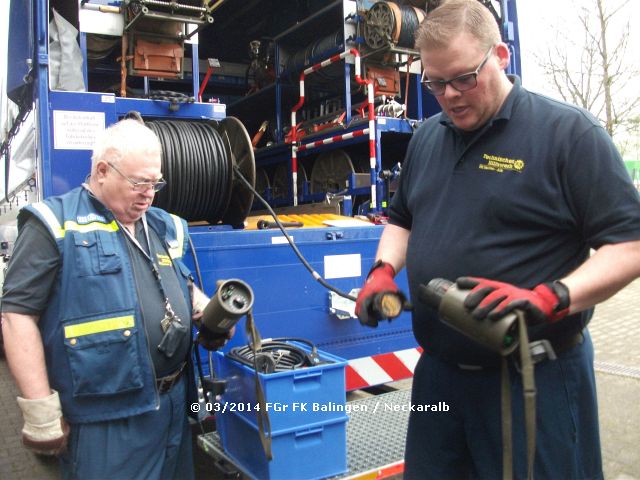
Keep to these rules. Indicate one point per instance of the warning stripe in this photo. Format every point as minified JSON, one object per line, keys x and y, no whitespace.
{"x":383,"y":368}
{"x":393,"y":366}
{"x":379,"y":473}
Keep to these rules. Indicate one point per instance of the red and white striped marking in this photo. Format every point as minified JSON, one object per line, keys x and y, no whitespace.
{"x":383,"y":368}
{"x":371,"y":130}
{"x":335,"y":138}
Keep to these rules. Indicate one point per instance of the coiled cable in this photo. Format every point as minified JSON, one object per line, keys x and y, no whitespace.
{"x":197,"y":169}
{"x":408,"y":26}
{"x":277,"y":355}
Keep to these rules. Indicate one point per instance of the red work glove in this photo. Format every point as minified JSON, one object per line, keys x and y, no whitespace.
{"x":547,"y":302}
{"x":45,"y":432}
{"x":379,"y":281}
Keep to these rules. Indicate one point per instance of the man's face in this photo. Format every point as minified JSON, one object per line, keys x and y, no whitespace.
{"x":471,"y":109}
{"x":117,"y":191}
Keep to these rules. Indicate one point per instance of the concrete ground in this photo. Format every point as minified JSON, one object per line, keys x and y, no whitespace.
{"x":616,"y":336}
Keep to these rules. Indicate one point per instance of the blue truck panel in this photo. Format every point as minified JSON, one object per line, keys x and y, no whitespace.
{"x":288,"y":300}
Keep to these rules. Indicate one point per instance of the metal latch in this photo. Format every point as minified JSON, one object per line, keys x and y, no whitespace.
{"x":541,"y":350}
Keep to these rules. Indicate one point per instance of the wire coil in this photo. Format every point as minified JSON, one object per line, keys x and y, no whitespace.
{"x":388,"y":23}
{"x":410,"y":20}
{"x":197,"y":168}
{"x":277,"y":355}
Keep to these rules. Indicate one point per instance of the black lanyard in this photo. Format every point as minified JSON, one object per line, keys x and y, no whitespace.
{"x":169,"y":314}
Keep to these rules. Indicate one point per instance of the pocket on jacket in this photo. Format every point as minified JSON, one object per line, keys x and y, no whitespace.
{"x":104,"y":355}
{"x":96,"y":253}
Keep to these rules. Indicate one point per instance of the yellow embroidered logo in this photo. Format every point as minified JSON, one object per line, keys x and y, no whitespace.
{"x":164,"y":260}
{"x":500,"y":164}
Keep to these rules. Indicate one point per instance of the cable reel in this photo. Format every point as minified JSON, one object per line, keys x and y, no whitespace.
{"x":282,"y":177}
{"x":331,"y":172}
{"x":198,"y":162}
{"x":263,"y":185}
{"x":388,"y":24}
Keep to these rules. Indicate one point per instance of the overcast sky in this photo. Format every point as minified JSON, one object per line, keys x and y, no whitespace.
{"x":537,"y":21}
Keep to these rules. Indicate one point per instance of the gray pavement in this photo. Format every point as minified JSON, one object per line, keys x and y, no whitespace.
{"x":615,"y":330}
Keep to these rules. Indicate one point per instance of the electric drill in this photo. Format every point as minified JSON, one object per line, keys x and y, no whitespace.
{"x":499,"y":335}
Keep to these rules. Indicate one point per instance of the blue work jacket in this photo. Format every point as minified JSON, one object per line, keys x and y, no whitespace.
{"x":94,"y":338}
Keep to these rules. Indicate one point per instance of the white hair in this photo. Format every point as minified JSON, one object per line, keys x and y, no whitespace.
{"x":125,"y":138}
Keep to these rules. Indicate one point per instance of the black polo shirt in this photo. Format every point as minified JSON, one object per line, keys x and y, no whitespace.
{"x":522,"y":200}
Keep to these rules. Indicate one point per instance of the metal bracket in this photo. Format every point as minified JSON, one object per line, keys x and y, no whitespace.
{"x":343,"y":308}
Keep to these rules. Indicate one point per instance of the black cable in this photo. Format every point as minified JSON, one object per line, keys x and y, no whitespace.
{"x":195,"y":165}
{"x":197,"y":265}
{"x":408,"y":26}
{"x":277,"y":355}
{"x":315,"y":274}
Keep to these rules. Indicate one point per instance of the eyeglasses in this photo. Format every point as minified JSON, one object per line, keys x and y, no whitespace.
{"x":141,"y":186}
{"x":461,"y":83}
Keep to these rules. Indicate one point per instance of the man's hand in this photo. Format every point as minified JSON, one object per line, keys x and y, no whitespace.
{"x":45,"y":431}
{"x":199,"y":302}
{"x":379,"y":281}
{"x":213,"y":341}
{"x":547,"y":302}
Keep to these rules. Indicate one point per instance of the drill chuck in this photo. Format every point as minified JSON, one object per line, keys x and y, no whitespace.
{"x":498,"y":335}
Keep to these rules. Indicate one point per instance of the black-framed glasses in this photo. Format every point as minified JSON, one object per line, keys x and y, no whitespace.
{"x":461,"y":83}
{"x":141,"y":186}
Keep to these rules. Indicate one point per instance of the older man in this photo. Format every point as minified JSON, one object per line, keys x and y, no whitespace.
{"x":97,"y":308}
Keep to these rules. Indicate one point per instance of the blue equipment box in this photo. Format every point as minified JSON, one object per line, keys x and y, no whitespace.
{"x":307,"y":414}
{"x":310,"y":452}
{"x":294,"y":397}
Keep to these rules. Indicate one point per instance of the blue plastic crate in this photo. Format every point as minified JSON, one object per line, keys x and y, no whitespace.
{"x":294,"y":398}
{"x":308,"y":452}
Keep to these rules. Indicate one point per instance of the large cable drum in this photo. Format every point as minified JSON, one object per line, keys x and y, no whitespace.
{"x":315,"y":52}
{"x":242,"y":158}
{"x":281,"y":179}
{"x":200,"y":161}
{"x":388,"y":23}
{"x":331,"y":172}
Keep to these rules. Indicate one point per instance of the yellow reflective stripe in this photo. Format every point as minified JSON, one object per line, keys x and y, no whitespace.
{"x":163,"y":260}
{"x":50,"y":218}
{"x":90,"y":227}
{"x":98,"y":326}
{"x":176,"y":252}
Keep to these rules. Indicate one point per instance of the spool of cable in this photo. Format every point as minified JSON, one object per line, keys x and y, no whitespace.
{"x":388,"y":23}
{"x":197,"y":162}
{"x":315,"y":52}
{"x":278,"y":355}
{"x":410,"y":19}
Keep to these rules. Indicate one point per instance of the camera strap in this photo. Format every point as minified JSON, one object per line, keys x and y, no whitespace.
{"x":529,"y":393}
{"x":262,"y":416}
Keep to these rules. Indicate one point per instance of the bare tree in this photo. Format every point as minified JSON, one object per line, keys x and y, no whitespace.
{"x":592,"y":67}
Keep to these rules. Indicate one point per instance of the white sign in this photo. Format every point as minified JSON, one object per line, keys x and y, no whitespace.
{"x":342,"y":266}
{"x":280,"y":240}
{"x":76,"y":130}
